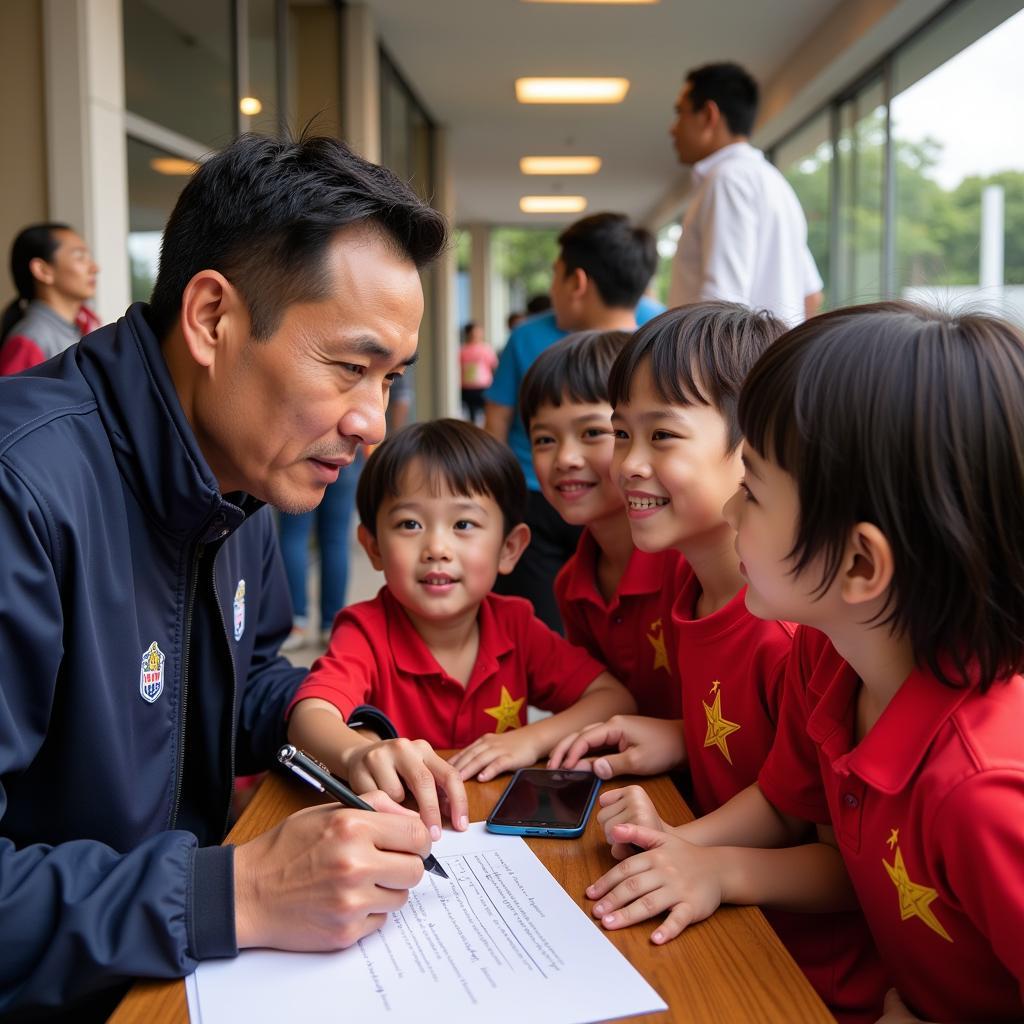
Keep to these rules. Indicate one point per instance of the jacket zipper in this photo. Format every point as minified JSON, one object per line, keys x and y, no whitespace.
{"x":234,"y":698}
{"x":186,"y":671}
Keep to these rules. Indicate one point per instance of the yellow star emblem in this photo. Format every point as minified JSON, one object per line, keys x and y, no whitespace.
{"x":507,"y":712}
{"x":719,"y":728}
{"x":915,"y":900}
{"x":894,"y":838}
{"x":657,"y":641}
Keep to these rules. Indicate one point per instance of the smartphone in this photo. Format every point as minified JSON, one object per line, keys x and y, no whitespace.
{"x":545,"y":802}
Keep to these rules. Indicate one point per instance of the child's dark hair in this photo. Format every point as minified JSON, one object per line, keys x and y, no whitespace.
{"x":698,"y":354}
{"x":451,"y":452}
{"x":574,"y":369}
{"x":911,"y":420}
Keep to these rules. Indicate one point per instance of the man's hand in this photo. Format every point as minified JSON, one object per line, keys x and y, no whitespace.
{"x":327,"y":876}
{"x":646,"y":746}
{"x":392,"y":765}
{"x":494,"y":753}
{"x":629,"y":806}
{"x":669,"y":874}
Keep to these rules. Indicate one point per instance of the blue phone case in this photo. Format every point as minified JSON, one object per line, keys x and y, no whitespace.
{"x":542,"y":828}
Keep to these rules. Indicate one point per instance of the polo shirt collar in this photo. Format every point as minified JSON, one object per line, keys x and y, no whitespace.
{"x":701,"y":168}
{"x":413,"y":656}
{"x":891,"y":752}
{"x":643,"y":574}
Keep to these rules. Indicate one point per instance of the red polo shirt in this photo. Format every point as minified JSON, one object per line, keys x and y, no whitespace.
{"x":626,"y":634}
{"x":731,"y":666}
{"x":376,"y":657}
{"x":928,"y":809}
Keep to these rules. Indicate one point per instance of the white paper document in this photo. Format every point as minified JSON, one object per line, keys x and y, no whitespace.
{"x":499,"y":942}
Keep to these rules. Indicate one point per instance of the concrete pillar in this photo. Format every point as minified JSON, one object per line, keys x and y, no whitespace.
{"x":83,"y":45}
{"x":447,"y":378}
{"x":360,"y":92}
{"x":992,"y":236}
{"x":480,"y":275}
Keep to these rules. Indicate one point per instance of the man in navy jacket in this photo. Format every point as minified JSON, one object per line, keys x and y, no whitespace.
{"x":142,"y":597}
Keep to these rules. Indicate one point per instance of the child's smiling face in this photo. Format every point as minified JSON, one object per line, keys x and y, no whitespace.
{"x":673,"y":467}
{"x":441,"y":552}
{"x":572,"y":447}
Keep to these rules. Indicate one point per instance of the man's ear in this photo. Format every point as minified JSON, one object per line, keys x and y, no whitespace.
{"x":212,"y":311}
{"x":580,"y":282}
{"x":867,"y":565}
{"x":40,"y":270}
{"x":712,"y":115}
{"x":371,"y":547}
{"x":512,"y":548}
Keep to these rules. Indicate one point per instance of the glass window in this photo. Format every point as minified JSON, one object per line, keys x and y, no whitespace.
{"x":860,"y":157}
{"x":155,"y":180}
{"x":179,"y":67}
{"x":259,"y":97}
{"x":406,"y":132}
{"x":805,"y":158}
{"x":959,"y":162}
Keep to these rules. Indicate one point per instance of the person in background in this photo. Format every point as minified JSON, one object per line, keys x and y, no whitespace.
{"x":744,"y":234}
{"x":478,"y":362}
{"x":514,"y":319}
{"x":537,"y":304}
{"x":603,"y":266}
{"x":54,"y":274}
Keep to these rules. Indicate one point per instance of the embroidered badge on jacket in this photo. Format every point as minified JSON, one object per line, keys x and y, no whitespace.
{"x":239,"y":610}
{"x":151,"y":676}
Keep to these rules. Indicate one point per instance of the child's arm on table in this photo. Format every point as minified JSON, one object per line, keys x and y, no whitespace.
{"x":317,"y":726}
{"x":494,"y":753}
{"x":646,"y":746}
{"x":692,"y":869}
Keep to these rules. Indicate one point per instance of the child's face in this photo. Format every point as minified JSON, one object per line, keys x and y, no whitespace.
{"x":672,"y":465}
{"x":441,"y":553}
{"x":572,"y":455}
{"x":764,"y":512}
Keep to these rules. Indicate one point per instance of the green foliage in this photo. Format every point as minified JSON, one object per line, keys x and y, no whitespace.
{"x":937,"y":231}
{"x":523,"y":257}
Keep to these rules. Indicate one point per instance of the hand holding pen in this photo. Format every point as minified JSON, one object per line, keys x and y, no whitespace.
{"x":314,"y":774}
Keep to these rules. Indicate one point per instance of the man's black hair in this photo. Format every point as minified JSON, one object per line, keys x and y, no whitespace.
{"x":731,"y":88}
{"x":538,"y":304}
{"x":263,"y":211}
{"x":574,"y":369}
{"x":619,"y":258}
{"x":912,"y":420}
{"x":699,"y":355}
{"x":452,"y":453}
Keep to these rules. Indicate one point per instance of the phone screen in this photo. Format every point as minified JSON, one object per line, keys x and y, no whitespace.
{"x":540,"y":797}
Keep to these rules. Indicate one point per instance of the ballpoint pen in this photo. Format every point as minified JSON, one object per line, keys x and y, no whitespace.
{"x":316,"y":775}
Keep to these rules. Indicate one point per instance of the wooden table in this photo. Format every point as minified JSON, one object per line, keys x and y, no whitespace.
{"x":731,"y":967}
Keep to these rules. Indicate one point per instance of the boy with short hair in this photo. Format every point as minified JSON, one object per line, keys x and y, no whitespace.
{"x":611,"y":595}
{"x":450,"y":663}
{"x":880,"y":506}
{"x":674,"y":389}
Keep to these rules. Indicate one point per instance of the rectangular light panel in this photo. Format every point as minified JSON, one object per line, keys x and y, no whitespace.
{"x":571,"y":90}
{"x":560,"y":164}
{"x":553,"y":204}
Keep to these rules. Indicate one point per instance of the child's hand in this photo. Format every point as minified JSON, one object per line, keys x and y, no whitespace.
{"x":629,"y":806}
{"x":647,"y":746}
{"x":895,"y":1011}
{"x":391,"y":765}
{"x":494,"y":753}
{"x":668,"y":874}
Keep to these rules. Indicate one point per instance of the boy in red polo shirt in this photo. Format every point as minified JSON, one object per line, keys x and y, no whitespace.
{"x":611,"y":595}
{"x":677,"y":461}
{"x":880,"y":506}
{"x":450,"y":663}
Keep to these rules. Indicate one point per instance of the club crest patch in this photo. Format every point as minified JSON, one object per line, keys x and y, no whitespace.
{"x":151,"y":677}
{"x":239,"y":610}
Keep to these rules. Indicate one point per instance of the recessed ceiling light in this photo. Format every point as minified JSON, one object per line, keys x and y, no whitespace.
{"x":591,"y":1}
{"x":553,"y":204}
{"x":560,"y":164}
{"x":250,"y":106}
{"x":571,"y":90}
{"x":173,"y":165}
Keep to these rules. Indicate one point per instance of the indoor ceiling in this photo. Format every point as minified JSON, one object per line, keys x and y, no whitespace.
{"x":463,"y":57}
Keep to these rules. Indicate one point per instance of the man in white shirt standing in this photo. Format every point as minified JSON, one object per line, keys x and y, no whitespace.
{"x":744,"y":234}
